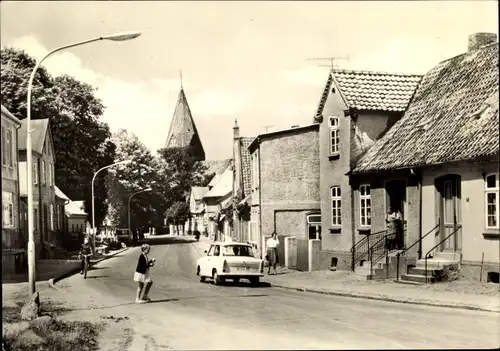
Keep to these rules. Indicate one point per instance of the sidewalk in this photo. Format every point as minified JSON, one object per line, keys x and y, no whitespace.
{"x":53,"y":269}
{"x":457,"y":294}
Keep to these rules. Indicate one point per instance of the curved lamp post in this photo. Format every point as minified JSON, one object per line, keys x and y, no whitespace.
{"x":29,"y":160}
{"x":93,"y":198}
{"x":129,"y":200}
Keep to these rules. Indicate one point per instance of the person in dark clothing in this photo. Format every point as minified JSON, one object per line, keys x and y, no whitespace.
{"x":85,"y":251}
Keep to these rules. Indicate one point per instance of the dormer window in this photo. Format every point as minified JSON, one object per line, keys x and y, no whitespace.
{"x":334,"y":136}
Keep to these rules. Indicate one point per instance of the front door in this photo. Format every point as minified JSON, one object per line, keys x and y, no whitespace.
{"x":451,"y":214}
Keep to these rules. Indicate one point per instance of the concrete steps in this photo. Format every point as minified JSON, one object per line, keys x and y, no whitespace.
{"x":417,"y":274}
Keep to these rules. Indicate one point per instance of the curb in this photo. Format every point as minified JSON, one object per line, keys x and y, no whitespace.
{"x":389,"y":299}
{"x":72,"y":271}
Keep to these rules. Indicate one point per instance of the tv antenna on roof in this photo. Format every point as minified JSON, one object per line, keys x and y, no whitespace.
{"x":331,"y":59}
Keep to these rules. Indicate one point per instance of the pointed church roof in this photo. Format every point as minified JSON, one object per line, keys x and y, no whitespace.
{"x":182,"y":130}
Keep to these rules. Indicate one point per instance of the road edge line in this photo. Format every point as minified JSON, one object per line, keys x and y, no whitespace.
{"x":388,"y":299}
{"x":72,"y":271}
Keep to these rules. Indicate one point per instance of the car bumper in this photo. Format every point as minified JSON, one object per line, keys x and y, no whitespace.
{"x":241,"y":274}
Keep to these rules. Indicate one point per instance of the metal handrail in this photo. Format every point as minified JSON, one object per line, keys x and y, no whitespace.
{"x":385,"y":251}
{"x":435,"y":246}
{"x":363,"y":241}
{"x":408,"y":248}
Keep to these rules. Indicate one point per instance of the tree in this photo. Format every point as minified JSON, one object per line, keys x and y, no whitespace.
{"x":81,"y":141}
{"x":180,"y":171}
{"x":125,"y":180}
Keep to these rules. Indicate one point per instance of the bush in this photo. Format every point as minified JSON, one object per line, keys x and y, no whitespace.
{"x":114,"y":245}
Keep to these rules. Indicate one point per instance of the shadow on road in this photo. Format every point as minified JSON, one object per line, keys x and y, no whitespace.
{"x":98,"y":276}
{"x":173,"y":299}
{"x":243,"y":284}
{"x":94,"y":268}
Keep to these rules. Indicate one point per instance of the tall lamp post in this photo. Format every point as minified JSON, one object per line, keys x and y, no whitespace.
{"x":129,"y":200}
{"x":93,"y":198}
{"x":29,"y":175}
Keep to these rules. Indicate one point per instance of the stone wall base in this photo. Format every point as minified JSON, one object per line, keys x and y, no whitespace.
{"x":343,"y":260}
{"x":471,"y":270}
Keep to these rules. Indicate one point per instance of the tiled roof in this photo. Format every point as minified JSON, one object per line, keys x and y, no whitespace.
{"x":60,"y":194}
{"x":453,"y":117}
{"x":38,"y":135}
{"x":375,"y":91}
{"x":364,"y":90}
{"x":246,"y":165}
{"x":224,"y":185}
{"x":216,"y":166}
{"x":75,"y":208}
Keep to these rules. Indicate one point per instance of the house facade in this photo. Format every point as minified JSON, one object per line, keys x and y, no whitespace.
{"x":44,"y":200}
{"x":13,"y":243}
{"x":443,"y":157}
{"x":197,"y":209}
{"x":242,"y":189}
{"x":355,"y":110}
{"x":285,"y":184}
{"x":76,"y":216}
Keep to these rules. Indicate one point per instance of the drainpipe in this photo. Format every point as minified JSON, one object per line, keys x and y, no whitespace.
{"x":353,"y":228}
{"x":18,"y":185}
{"x":420,"y":217}
{"x":260,"y":202}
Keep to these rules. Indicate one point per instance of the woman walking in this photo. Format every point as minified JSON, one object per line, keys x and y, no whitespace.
{"x":272,"y":252}
{"x":142,"y":275}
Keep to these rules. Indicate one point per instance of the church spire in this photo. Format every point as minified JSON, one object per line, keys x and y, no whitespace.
{"x":181,"y":79}
{"x":183,"y":131}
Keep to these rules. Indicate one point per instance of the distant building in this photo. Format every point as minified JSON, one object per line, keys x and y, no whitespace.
{"x":13,"y":242}
{"x":244,"y":229}
{"x":77,"y":217}
{"x":44,"y":199}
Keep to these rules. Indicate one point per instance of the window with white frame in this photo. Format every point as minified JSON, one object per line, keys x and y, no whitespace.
{"x":49,"y":175}
{"x":42,"y":181}
{"x":491,"y":200}
{"x":35,"y":172}
{"x":365,"y":205}
{"x":51,"y":214}
{"x":336,"y":206}
{"x":334,"y":135}
{"x":8,"y":152}
{"x":8,"y":209}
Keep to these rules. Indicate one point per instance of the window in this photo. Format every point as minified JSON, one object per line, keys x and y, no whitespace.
{"x":51,"y":214}
{"x":336,"y":206}
{"x":365,"y":205}
{"x":42,"y":181}
{"x":49,"y":174}
{"x":491,"y":201}
{"x":334,"y":136}
{"x":8,"y":151}
{"x":35,"y":219}
{"x":8,"y":209}
{"x":35,"y":173}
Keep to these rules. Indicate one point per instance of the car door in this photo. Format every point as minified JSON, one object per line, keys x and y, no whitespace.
{"x":205,"y":262}
{"x":214,"y":259}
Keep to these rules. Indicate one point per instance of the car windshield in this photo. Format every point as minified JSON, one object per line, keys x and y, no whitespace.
{"x":237,"y":250}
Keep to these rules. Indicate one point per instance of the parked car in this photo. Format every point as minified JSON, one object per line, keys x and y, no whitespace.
{"x":230,"y":260}
{"x":123,"y":235}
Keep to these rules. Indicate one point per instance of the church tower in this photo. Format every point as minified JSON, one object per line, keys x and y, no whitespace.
{"x":183,"y":131}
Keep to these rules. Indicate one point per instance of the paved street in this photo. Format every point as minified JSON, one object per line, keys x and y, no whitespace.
{"x":187,"y":314}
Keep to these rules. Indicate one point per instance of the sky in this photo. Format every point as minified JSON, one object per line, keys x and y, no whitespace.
{"x":249,"y":61}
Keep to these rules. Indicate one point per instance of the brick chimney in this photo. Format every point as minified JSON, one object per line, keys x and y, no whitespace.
{"x":478,"y":40}
{"x":236,"y":130}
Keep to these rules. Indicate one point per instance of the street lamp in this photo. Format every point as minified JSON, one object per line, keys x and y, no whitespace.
{"x":31,"y":240}
{"x":93,"y":198}
{"x":129,"y":200}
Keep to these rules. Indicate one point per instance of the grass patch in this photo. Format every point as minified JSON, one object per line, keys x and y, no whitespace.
{"x":57,"y":336}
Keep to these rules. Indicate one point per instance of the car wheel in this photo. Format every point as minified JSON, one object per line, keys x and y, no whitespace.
{"x":236,"y":280}
{"x":254,"y":281}
{"x":202,"y":279}
{"x":217,"y":280}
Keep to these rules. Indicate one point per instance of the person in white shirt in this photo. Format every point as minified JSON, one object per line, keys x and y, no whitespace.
{"x":272,"y":252}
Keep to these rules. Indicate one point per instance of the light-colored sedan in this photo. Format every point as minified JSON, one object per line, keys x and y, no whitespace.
{"x":230,"y":260}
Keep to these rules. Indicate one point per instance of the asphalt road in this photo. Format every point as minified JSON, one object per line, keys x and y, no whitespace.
{"x":187,"y":314}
